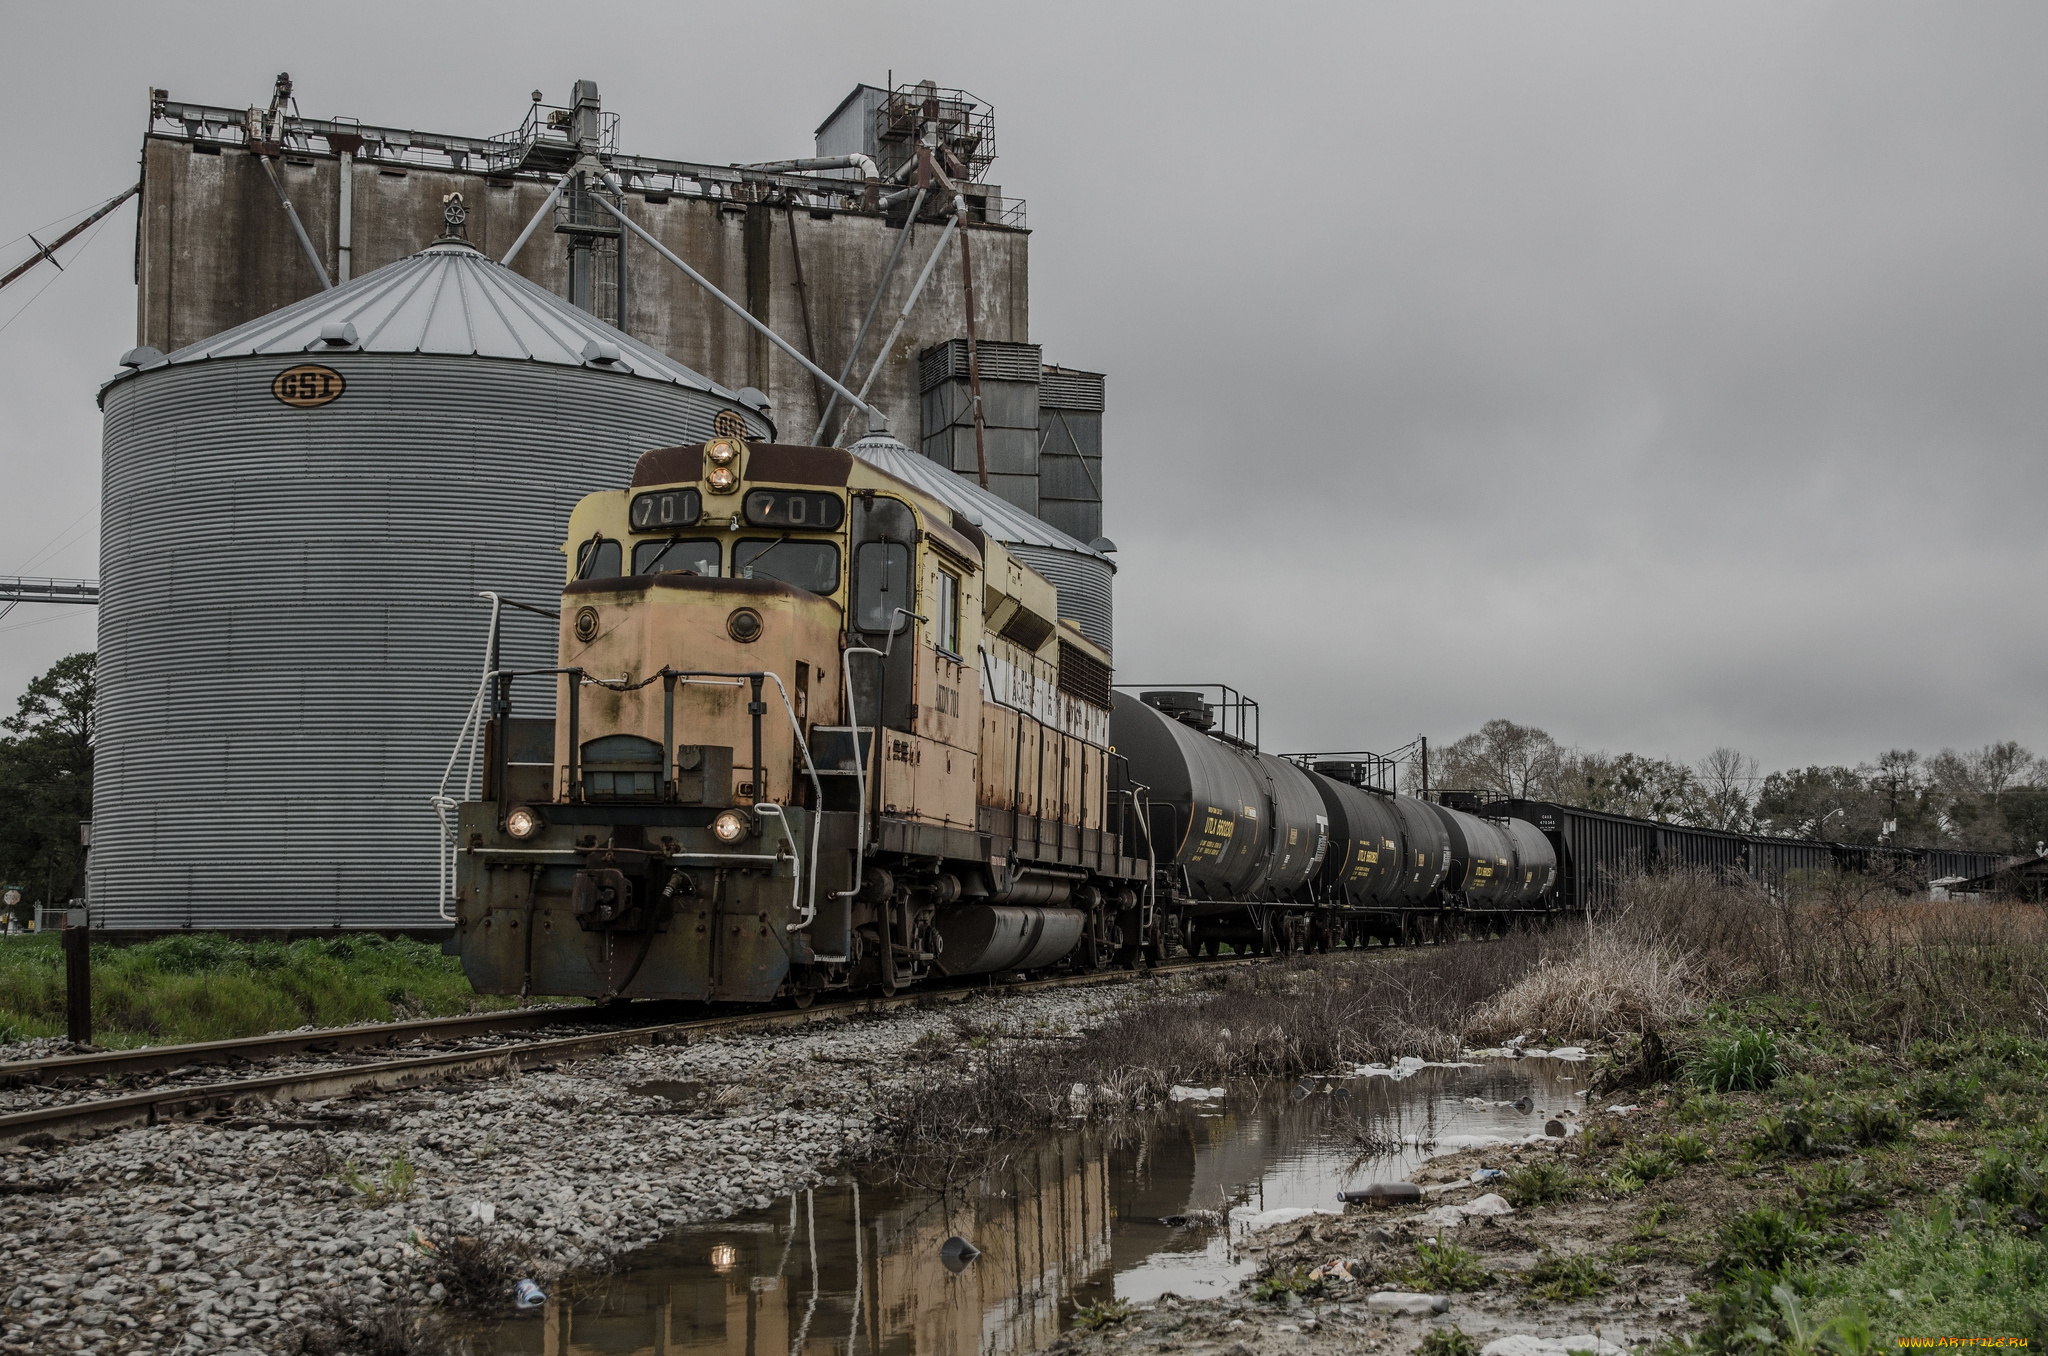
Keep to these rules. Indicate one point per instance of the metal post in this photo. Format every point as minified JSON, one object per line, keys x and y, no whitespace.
{"x":973,"y":352}
{"x":305,"y":241}
{"x":77,"y":980}
{"x":501,"y":718}
{"x":888,"y":272}
{"x":344,"y":224}
{"x":547,"y":205}
{"x":757,"y":708}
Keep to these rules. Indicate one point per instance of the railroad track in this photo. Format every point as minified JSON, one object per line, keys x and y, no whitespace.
{"x":46,"y":1125}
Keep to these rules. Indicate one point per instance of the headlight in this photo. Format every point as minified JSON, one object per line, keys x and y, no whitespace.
{"x":732,"y":825}
{"x":522,"y":823}
{"x":721,"y":451}
{"x":721,"y":480}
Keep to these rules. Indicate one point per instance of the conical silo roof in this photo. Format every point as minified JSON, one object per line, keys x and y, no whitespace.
{"x":447,"y":299}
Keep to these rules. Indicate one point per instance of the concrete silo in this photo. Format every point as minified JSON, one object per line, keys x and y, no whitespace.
{"x":297,"y":517}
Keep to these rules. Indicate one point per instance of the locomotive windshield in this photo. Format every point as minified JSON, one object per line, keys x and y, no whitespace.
{"x":812,"y":565}
{"x":598,"y":559}
{"x":697,"y":556}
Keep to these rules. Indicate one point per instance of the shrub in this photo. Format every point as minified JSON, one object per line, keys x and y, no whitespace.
{"x":1557,"y":1277}
{"x":1742,"y":1061}
{"x":1445,"y":1266}
{"x":1540,"y":1183}
{"x":1789,"y":1133}
{"x":1765,"y":1239}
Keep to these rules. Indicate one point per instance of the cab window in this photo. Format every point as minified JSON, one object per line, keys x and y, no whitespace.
{"x":598,"y":558}
{"x":948,"y":617}
{"x":884,"y":587}
{"x":692,"y":556}
{"x":812,"y":565}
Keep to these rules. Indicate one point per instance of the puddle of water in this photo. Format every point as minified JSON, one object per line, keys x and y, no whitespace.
{"x":1130,"y":1212}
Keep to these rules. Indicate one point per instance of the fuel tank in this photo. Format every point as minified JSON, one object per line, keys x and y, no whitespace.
{"x":1482,"y":859}
{"x":1363,"y":862}
{"x":1535,"y":871}
{"x":982,"y":938}
{"x":1244,"y":826}
{"x":1425,"y":853}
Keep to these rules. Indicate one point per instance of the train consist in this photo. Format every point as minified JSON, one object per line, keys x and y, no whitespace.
{"x":814,"y":729}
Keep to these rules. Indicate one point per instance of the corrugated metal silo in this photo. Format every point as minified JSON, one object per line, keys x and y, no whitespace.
{"x":297,"y":517}
{"x":1083,"y":575}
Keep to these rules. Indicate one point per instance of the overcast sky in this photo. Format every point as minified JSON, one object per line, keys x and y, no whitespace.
{"x":1667,"y":376}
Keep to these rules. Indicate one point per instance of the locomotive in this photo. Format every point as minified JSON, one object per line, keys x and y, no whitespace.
{"x":814,"y":729}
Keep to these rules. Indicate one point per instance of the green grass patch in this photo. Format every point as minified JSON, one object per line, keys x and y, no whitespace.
{"x":1747,"y":1060}
{"x":1451,"y":1341}
{"x":1540,"y":1183}
{"x":1764,"y":1240}
{"x":1445,"y":1266}
{"x":1281,"y":1282}
{"x":206,"y":987}
{"x":1103,"y":1314}
{"x":1931,"y":1277}
{"x":1576,"y":1276}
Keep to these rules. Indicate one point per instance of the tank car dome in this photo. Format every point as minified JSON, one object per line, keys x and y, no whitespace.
{"x":1082,"y":573}
{"x":297,"y":516}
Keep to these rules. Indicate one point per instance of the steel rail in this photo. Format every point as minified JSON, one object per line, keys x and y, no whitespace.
{"x":157,"y":1105}
{"x":149,"y":1059}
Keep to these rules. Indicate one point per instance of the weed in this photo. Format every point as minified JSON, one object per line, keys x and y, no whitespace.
{"x":1620,"y":1183}
{"x":1789,"y":1133}
{"x":1687,"y":1149}
{"x":1279,"y":1283}
{"x":1445,"y":1266}
{"x":1540,"y":1183}
{"x":397,"y":1184}
{"x":1702,"y":1108}
{"x":1871,"y":1122}
{"x":1451,"y":1341}
{"x":488,"y":1145}
{"x":1934,"y":1275}
{"x":1102,"y":1314}
{"x":1947,"y":1095}
{"x":1647,"y":1164}
{"x":1741,"y":1061}
{"x":1576,"y":1276}
{"x":479,"y":1272}
{"x":1765,"y":1239}
{"x":1833,"y":1189}
{"x":2007,"y":1177}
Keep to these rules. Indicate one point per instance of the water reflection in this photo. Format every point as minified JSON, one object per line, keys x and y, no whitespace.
{"x":1131,"y":1213}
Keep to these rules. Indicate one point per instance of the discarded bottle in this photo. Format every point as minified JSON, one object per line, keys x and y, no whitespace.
{"x":1383,"y":1193}
{"x":1525,"y":1105}
{"x":956,"y":1252}
{"x":528,"y":1295}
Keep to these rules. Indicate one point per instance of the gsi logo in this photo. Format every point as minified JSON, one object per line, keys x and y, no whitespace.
{"x":307,"y":386}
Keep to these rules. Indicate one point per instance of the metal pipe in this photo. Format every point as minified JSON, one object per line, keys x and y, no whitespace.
{"x":344,"y":225}
{"x":547,"y":205}
{"x":888,"y":272}
{"x":867,"y":167}
{"x":570,"y":793}
{"x":668,"y":733}
{"x":877,"y":421}
{"x":952,"y":223}
{"x":49,"y":251}
{"x":305,"y":241}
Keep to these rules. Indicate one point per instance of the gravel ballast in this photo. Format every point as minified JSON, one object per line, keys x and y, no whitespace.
{"x":225,"y":1237}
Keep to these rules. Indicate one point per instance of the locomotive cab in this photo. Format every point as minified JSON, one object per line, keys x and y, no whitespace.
{"x":780,"y":672}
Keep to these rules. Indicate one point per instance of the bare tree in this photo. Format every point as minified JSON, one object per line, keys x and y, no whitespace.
{"x":1515,"y":762}
{"x":1724,"y":790}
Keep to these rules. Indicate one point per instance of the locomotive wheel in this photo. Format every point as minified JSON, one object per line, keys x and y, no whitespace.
{"x":802,"y":998}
